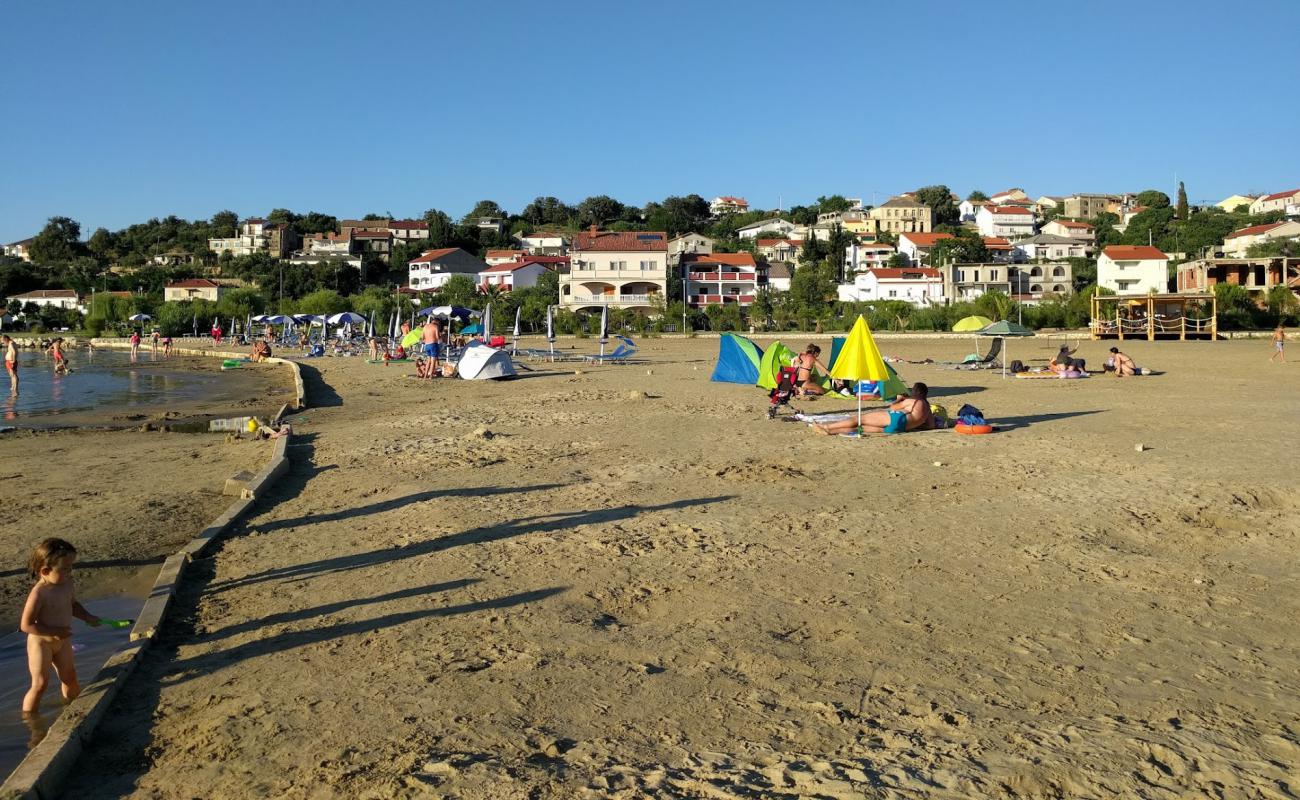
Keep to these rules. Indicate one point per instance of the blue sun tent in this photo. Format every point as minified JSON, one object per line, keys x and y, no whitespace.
{"x":738,"y":360}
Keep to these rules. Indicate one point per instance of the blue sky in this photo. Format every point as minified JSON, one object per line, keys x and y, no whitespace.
{"x":119,"y":111}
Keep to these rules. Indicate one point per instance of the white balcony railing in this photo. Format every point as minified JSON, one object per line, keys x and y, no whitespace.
{"x":604,"y":299}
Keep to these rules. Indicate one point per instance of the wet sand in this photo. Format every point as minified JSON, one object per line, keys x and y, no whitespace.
{"x":622,"y":584}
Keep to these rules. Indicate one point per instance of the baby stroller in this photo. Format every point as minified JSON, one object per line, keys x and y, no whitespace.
{"x":786,"y":384}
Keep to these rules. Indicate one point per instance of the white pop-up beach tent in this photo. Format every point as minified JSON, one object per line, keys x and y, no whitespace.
{"x":481,"y":362}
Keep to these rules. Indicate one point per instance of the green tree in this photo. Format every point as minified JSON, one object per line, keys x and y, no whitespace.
{"x":548,"y":211}
{"x":966,"y":247}
{"x":1152,"y":198}
{"x":599,"y":210}
{"x":282,"y":216}
{"x":942,"y":208}
{"x":1274,"y":247}
{"x":976,"y":196}
{"x":1182,"y":210}
{"x":442,"y":232}
{"x":459,"y":290}
{"x":832,"y":204}
{"x":224,"y":224}
{"x":315,"y":222}
{"x":485,"y":208}
{"x":813,"y":287}
{"x":102,"y":246}
{"x":321,"y":301}
{"x":58,"y":242}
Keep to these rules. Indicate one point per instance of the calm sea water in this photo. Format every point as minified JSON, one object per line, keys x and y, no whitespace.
{"x":104,"y":379}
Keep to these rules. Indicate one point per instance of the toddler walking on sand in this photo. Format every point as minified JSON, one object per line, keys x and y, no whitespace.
{"x":47,"y":621}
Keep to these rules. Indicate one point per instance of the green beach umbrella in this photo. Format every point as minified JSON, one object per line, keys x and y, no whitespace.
{"x":1005,"y":329}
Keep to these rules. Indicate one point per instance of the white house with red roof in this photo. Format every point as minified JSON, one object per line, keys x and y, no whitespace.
{"x":615,"y":269}
{"x":20,"y":249}
{"x":494,"y":257}
{"x":728,"y":205}
{"x":1070,"y":229}
{"x":720,"y":278}
{"x":780,"y":249}
{"x":519,"y":274}
{"x":916,"y":246}
{"x":919,"y":286}
{"x":544,"y":243}
{"x":1012,"y":195}
{"x":1133,"y":270}
{"x":1278,"y":201}
{"x":1011,"y":221}
{"x":193,"y":289}
{"x":433,"y":268}
{"x":861,"y":256}
{"x":968,"y":208}
{"x":55,"y":298}
{"x":771,"y":227}
{"x":1236,"y":243}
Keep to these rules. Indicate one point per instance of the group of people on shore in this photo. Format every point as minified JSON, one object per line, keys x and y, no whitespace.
{"x":156,"y":341}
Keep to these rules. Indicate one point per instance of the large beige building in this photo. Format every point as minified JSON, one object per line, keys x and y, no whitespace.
{"x":1279,"y":201}
{"x":615,"y":270}
{"x":902,"y":215}
{"x":1087,"y":206}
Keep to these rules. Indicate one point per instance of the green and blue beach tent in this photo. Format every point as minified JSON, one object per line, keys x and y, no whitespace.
{"x":738,"y":360}
{"x":894,"y":385}
{"x":774,"y":357}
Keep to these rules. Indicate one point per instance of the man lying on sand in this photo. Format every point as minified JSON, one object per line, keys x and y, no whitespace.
{"x":912,"y":413}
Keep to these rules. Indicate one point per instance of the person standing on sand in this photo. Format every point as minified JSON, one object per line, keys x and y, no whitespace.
{"x":153,"y":342}
{"x":432,"y":346}
{"x":11,"y":363}
{"x":135,"y":344}
{"x":1279,"y":345}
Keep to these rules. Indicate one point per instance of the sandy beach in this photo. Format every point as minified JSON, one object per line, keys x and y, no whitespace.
{"x":628,"y":583}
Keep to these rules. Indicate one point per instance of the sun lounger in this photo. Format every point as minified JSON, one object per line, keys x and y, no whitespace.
{"x":621,"y":355}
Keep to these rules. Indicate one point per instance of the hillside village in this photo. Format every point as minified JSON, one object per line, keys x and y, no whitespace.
{"x":713,"y":264}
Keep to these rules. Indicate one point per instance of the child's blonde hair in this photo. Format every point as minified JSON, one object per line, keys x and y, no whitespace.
{"x":48,"y":554}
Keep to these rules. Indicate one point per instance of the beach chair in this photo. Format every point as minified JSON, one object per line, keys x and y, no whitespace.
{"x":625,"y":350}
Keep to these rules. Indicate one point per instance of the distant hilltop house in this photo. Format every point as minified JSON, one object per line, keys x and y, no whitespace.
{"x":1088,"y":206}
{"x":1238,"y":242}
{"x":1009,"y":196}
{"x":916,"y":245}
{"x":901,"y":215}
{"x":257,"y":236}
{"x":544,"y":243}
{"x":1080,"y":231}
{"x":728,"y":205}
{"x":193,"y":289}
{"x":688,"y":243}
{"x":1051,"y":246}
{"x":20,"y":249}
{"x":615,"y":270}
{"x":408,"y":230}
{"x":51,"y":298}
{"x":432,"y":269}
{"x":861,"y":256}
{"x":1287,"y":202}
{"x":1133,"y":270}
{"x":494,"y":257}
{"x":1234,"y":201}
{"x":775,"y":226}
{"x":174,"y":258}
{"x":1011,"y":221}
{"x":780,"y":249}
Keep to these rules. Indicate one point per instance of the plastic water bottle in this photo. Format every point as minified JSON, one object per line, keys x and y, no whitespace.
{"x":236,"y":424}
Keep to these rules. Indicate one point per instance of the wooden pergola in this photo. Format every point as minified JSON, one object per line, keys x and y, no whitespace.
{"x":1153,"y":316}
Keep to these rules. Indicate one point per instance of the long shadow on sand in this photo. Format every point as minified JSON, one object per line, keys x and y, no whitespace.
{"x":107,"y":563}
{"x":180,"y":671}
{"x":319,"y":393}
{"x":543,"y":523}
{"x":1026,"y":420}
{"x":398,"y":502}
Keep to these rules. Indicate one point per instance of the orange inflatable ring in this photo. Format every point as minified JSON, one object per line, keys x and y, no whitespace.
{"x":973,"y":429}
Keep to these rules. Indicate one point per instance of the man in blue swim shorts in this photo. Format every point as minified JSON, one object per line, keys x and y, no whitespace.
{"x":911,"y":413}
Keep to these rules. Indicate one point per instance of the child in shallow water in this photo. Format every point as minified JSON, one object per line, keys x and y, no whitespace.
{"x":47,"y":621}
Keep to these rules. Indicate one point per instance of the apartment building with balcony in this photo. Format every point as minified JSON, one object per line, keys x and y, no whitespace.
{"x":902,"y":215}
{"x":1011,"y":221}
{"x":616,"y":270}
{"x":434,"y":268}
{"x":719,"y":278}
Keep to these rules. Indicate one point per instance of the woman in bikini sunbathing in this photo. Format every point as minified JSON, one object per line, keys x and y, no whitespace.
{"x":911,"y":413}
{"x":804,"y":364}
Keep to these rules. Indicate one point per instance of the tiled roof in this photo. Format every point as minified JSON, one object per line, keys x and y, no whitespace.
{"x":996,"y":243}
{"x":1118,"y":252}
{"x":433,"y":255}
{"x":370,"y":234}
{"x":408,"y":225}
{"x":45,"y":294}
{"x":1253,"y":230}
{"x":511,"y":266}
{"x":874,"y":246}
{"x":902,"y":201}
{"x":193,"y":283}
{"x":544,"y":235}
{"x":504,"y":253}
{"x":629,"y":241}
{"x":725,"y":259}
{"x":1048,"y":238}
{"x":1065,"y":223}
{"x":909,"y":273}
{"x":254,"y":221}
{"x":775,"y":242}
{"x":1281,"y":195}
{"x":763,"y":222}
{"x":1010,"y":209}
{"x":924,"y":239}
{"x":778,"y":269}
{"x":740,"y":201}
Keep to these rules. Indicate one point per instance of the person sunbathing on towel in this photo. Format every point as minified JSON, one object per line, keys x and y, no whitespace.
{"x":804,"y":364}
{"x":911,"y":413}
{"x":1062,"y":362}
